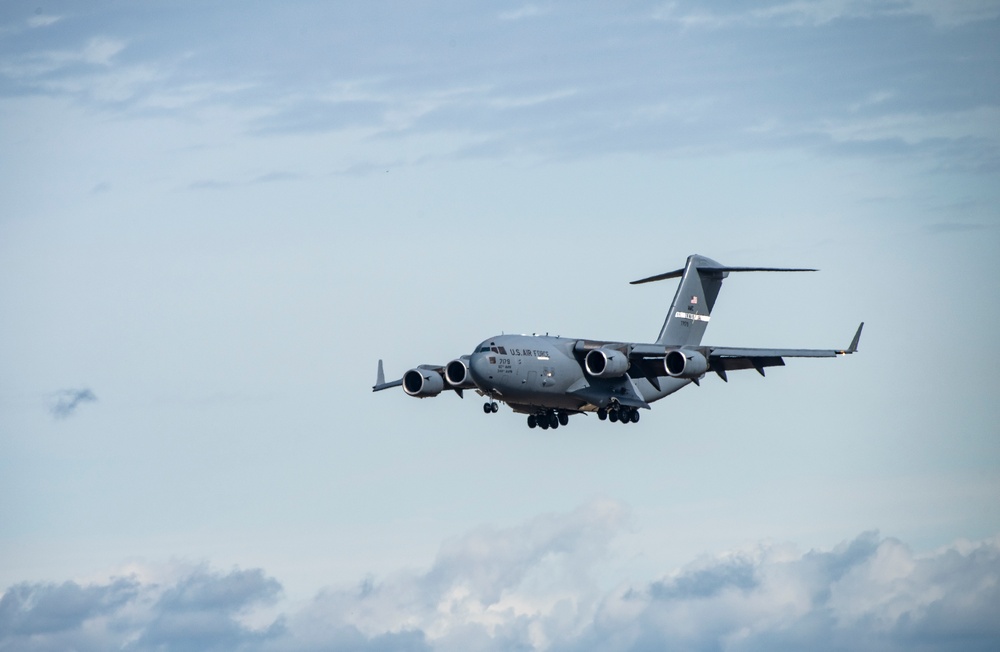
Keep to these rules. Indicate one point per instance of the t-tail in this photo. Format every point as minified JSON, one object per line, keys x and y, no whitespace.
{"x":701,"y":280}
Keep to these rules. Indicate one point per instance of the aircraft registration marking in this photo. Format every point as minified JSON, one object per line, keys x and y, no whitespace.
{"x":692,"y":316}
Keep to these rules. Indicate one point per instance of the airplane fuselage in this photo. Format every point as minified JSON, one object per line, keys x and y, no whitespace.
{"x":530,"y":372}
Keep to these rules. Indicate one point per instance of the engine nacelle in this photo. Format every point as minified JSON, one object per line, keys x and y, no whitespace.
{"x":683,"y":363}
{"x":606,"y":363}
{"x":457,"y":374}
{"x":422,"y":383}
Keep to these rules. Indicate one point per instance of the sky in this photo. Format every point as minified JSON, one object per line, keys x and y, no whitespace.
{"x":216,"y":218}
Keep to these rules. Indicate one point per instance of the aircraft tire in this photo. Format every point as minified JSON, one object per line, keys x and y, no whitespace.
{"x":602,"y":414}
{"x":532,"y":421}
{"x":635,"y":416}
{"x":494,"y":407}
{"x":486,"y":408}
{"x":543,"y":424}
{"x":613,"y":416}
{"x":563,"y":419}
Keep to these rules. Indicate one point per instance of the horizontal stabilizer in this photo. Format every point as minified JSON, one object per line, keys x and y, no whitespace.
{"x":678,"y":272}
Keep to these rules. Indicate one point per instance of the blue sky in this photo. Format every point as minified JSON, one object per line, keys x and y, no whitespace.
{"x":216,"y":219}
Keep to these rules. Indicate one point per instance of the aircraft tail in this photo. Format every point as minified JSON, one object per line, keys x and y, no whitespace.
{"x":701,"y":280}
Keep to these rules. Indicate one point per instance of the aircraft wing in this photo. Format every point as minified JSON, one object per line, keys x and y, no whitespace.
{"x":427,"y":371}
{"x":647,"y":359}
{"x":724,"y":358}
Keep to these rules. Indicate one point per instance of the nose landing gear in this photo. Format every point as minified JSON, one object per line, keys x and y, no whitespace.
{"x":490,"y":407}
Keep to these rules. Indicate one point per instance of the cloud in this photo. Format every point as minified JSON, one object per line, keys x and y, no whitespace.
{"x":533,"y":587}
{"x":812,"y":13}
{"x":98,"y":51}
{"x":201,"y":610}
{"x":63,"y":404}
{"x":954,"y":227}
{"x":527,"y":11}
{"x":43,"y":20}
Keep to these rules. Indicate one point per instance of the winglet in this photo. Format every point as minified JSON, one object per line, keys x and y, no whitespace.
{"x":380,"y":383}
{"x":854,"y":343}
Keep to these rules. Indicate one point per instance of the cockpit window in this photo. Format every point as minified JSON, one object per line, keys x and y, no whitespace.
{"x":484,"y":349}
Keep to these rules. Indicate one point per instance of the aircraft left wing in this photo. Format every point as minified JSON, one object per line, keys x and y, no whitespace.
{"x":649,"y":360}
{"x":723,"y":358}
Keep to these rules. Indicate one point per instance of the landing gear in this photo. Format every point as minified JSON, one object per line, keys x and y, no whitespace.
{"x":491,"y":407}
{"x":548,"y":419}
{"x":617,"y":413}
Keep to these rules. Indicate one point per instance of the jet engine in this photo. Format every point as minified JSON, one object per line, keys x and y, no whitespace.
{"x":457,"y":374}
{"x":422,"y":383}
{"x":606,"y":363}
{"x":682,"y":363}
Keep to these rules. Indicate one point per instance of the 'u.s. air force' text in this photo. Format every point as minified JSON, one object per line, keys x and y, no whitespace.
{"x":529,"y":352}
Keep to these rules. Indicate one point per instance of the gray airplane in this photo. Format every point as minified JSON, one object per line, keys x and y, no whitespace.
{"x":551,"y":378}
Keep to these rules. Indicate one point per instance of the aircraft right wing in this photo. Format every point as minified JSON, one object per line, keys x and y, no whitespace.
{"x":380,"y":383}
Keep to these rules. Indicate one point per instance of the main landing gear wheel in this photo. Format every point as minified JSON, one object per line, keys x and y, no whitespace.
{"x":613,"y":416}
{"x":548,"y":419}
{"x":602,"y":414}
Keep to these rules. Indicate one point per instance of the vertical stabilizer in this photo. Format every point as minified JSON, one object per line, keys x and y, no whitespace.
{"x":701,"y":280}
{"x":692,"y":306}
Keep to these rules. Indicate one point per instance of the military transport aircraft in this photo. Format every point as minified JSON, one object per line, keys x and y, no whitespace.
{"x":552,"y":378}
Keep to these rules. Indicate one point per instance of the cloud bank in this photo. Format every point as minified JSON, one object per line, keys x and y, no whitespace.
{"x":533,"y":587}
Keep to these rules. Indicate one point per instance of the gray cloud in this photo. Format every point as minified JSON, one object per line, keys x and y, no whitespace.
{"x":63,"y":404}
{"x":889,"y":78}
{"x":532,"y":587}
{"x":199,"y":611}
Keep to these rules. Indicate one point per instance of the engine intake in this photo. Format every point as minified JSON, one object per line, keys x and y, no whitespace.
{"x":682,"y":363}
{"x":606,"y":363}
{"x":422,"y":383}
{"x":457,"y":374}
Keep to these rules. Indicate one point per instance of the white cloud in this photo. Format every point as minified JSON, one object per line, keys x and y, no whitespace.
{"x":531,"y":587}
{"x":527,"y":11}
{"x":98,"y":51}
{"x":43,"y":20}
